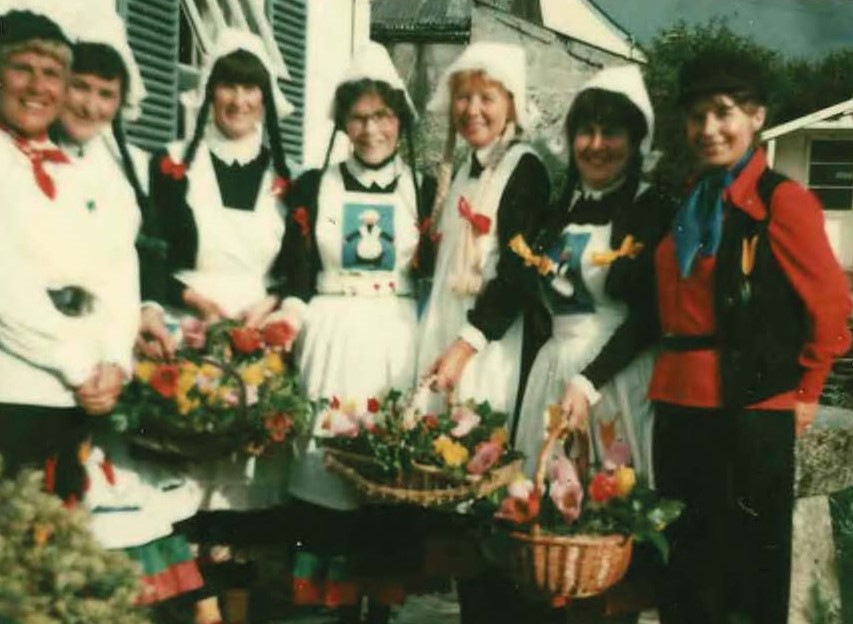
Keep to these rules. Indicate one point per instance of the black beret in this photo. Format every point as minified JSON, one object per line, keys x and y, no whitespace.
{"x":722,"y":72}
{"x":19,"y":26}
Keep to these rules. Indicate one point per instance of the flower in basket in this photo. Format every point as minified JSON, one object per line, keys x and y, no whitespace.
{"x":463,"y":443}
{"x":229,"y":387}
{"x":611,"y":499}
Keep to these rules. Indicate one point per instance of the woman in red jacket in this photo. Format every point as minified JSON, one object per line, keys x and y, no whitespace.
{"x":753,"y":307}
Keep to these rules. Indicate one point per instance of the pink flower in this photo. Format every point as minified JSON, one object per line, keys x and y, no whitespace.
{"x":341,"y":424}
{"x":617,"y":454}
{"x":487,"y":455}
{"x":566,"y":490}
{"x":465,"y":420}
{"x":194,"y":332}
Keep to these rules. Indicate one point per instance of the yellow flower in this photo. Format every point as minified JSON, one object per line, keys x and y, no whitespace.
{"x":186,"y":381}
{"x":253,"y":374}
{"x":625,"y":481}
{"x":209,"y":371}
{"x":188,"y":368}
{"x":499,"y":435}
{"x":185,"y":405}
{"x":144,"y":370}
{"x":274,"y":363}
{"x":453,"y":453}
{"x":349,"y":407}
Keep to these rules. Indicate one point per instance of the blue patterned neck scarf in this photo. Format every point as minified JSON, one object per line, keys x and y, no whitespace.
{"x":698,"y":225}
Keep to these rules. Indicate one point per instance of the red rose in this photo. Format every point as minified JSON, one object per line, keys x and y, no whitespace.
{"x":430,"y":420}
{"x":372,"y":405}
{"x":602,"y":487}
{"x":519,"y":510}
{"x":246,"y":339}
{"x":172,"y":169}
{"x":278,"y":425}
{"x":300,"y":217}
{"x":335,"y":403}
{"x":279,"y":334}
{"x":164,"y":380}
{"x":280,"y":186}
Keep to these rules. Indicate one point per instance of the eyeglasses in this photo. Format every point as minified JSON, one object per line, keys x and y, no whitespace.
{"x":382,"y":117}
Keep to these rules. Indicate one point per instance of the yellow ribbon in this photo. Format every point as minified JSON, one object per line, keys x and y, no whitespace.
{"x":543,"y":264}
{"x":628,"y":249}
{"x":747,"y":256}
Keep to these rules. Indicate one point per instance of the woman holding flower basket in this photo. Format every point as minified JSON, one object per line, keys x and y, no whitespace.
{"x":351,"y":255}
{"x":594,"y":264}
{"x":219,"y":200}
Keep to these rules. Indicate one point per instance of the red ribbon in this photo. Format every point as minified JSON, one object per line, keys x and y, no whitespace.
{"x":172,"y":169}
{"x":300,"y":217}
{"x":480,"y":222}
{"x":280,"y":186}
{"x":37,"y":157}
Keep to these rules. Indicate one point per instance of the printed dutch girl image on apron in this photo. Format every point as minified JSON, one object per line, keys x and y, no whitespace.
{"x":368,"y":235}
{"x":565,"y":289}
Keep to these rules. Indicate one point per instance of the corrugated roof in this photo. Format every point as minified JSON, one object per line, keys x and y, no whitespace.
{"x":807,"y":29}
{"x":413,"y":19}
{"x":583,"y":21}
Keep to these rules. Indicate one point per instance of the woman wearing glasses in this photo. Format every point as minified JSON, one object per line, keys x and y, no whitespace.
{"x":350,"y":257}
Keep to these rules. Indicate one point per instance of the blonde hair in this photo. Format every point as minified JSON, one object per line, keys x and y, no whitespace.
{"x":467,"y":277}
{"x":48,"y":47}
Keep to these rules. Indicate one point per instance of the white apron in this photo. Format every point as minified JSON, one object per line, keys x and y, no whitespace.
{"x":359,"y":336}
{"x":491,"y":374}
{"x":584,"y":317}
{"x":236,"y":249}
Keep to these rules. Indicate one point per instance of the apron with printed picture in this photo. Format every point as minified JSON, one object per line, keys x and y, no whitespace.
{"x":584,"y":318}
{"x":359,"y":336}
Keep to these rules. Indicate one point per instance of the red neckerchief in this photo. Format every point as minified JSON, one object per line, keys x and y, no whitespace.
{"x":37,"y":157}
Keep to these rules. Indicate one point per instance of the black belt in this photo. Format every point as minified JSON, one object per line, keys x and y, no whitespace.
{"x":685,"y":342}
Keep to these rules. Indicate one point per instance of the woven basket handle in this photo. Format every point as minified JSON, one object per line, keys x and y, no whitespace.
{"x":241,"y":385}
{"x":575,"y":437}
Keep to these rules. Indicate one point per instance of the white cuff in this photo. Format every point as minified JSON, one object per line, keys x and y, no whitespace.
{"x":79,"y":362}
{"x":473,"y":337}
{"x":294,"y":308}
{"x":154,"y":305}
{"x":585,"y":385}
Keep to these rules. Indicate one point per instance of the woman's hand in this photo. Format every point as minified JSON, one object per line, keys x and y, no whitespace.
{"x":804,"y":415}
{"x":99,"y":393}
{"x":450,"y":365}
{"x":207,"y":309}
{"x":575,"y":407}
{"x":256,"y":314}
{"x":154,"y":340}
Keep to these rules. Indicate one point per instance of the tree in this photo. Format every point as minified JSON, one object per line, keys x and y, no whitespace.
{"x":796,"y":87}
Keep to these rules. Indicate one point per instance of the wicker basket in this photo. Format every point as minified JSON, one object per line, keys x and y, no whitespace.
{"x":423,"y":485}
{"x":567,"y":566}
{"x":165,"y":437}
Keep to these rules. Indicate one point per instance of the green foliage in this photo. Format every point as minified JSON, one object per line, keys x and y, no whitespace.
{"x":53,"y":571}
{"x":796,"y":87}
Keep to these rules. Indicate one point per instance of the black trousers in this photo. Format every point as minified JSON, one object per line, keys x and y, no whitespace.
{"x":30,"y":434}
{"x":731,"y":549}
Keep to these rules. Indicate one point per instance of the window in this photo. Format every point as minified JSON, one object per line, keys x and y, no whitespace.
{"x":831,"y":173}
{"x":289,"y":25}
{"x":152,"y":29}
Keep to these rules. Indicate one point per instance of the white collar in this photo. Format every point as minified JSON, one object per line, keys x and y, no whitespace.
{"x":596,"y":194}
{"x":243,"y":150}
{"x":383,"y":177}
{"x":483,"y":153}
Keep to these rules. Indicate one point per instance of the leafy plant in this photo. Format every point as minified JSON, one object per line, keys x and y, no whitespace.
{"x":53,"y":570}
